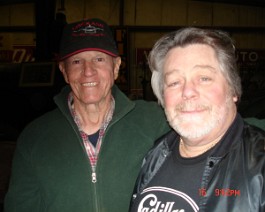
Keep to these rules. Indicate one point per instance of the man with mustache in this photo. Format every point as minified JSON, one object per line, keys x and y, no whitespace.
{"x":211,"y":160}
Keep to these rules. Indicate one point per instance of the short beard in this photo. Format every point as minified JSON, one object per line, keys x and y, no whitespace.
{"x":217,"y":116}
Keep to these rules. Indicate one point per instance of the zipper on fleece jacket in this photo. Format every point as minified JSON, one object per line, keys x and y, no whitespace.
{"x":94,"y":186}
{"x":94,"y":175}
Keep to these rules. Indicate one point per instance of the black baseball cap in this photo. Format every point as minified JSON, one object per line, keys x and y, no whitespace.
{"x":87,"y":35}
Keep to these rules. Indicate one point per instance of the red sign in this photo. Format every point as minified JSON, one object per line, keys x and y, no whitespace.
{"x":23,"y":53}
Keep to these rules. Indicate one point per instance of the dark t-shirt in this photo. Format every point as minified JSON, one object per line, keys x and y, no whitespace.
{"x":93,"y":138}
{"x":176,"y":186}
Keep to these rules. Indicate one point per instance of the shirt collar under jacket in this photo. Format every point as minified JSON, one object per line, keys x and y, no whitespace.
{"x":92,"y":151}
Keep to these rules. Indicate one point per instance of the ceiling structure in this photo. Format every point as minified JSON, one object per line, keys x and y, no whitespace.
{"x":259,"y":3}
{"x":7,"y":2}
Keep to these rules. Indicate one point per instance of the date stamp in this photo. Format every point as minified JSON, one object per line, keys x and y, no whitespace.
{"x":219,"y":192}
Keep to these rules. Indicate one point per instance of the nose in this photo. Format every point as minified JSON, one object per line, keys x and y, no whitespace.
{"x":190,"y":90}
{"x":89,"y":69}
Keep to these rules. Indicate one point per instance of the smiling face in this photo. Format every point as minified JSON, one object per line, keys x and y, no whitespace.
{"x":198,"y":100}
{"x":91,"y":75}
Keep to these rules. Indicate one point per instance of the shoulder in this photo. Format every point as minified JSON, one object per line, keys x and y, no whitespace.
{"x":155,"y":158}
{"x":46,"y":120}
{"x":163,"y":145}
{"x":254,"y":141}
{"x":47,"y":125}
{"x":256,"y":122}
{"x":150,"y":113}
{"x":253,"y":132}
{"x":148,"y":106}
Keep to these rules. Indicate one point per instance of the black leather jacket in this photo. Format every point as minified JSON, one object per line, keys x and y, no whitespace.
{"x":233,"y":176}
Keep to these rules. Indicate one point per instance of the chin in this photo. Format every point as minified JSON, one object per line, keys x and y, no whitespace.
{"x":195,"y":127}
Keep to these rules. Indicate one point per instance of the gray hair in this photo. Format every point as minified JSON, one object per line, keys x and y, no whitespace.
{"x":221,"y":43}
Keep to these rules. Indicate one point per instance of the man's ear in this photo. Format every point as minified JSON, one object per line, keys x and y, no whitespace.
{"x":62,"y":69}
{"x":235,"y":98}
{"x":117,"y":64}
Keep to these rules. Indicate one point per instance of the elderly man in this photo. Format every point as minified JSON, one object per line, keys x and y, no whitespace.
{"x":85,"y":155}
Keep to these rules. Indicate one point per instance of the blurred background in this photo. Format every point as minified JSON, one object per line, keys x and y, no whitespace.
{"x":30,"y":32}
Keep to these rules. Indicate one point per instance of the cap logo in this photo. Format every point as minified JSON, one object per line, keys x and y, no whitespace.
{"x":87,"y":28}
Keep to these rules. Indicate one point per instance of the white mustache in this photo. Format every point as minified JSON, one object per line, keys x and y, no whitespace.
{"x":191,"y":107}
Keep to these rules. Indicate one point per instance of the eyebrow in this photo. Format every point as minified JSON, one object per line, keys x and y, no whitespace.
{"x":208,"y":67}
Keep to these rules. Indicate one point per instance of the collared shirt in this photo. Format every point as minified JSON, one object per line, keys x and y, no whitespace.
{"x":91,"y":150}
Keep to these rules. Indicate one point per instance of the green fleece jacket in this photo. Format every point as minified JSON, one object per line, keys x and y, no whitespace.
{"x":51,"y":171}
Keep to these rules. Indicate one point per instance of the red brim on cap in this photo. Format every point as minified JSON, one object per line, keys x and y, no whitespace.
{"x":87,"y":49}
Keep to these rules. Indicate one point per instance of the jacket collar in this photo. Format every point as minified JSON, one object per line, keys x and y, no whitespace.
{"x":231,"y":138}
{"x":122,"y":103}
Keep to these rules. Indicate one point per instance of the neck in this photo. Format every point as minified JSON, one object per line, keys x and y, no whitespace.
{"x":189,"y":151}
{"x":91,"y":117}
